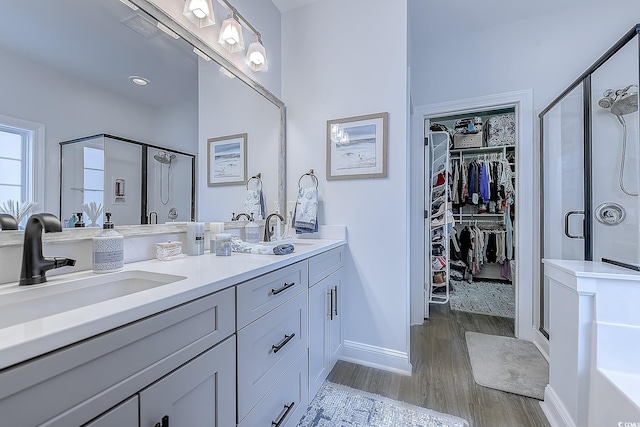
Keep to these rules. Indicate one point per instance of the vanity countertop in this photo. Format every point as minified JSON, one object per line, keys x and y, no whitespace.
{"x":203,"y":274}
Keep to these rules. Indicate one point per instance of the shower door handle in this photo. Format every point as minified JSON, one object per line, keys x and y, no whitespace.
{"x":566,"y":224}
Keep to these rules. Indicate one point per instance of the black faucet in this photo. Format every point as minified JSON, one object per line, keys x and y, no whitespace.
{"x":237,"y":217}
{"x":8,"y":222}
{"x":34,"y":265}
{"x":267,"y":232}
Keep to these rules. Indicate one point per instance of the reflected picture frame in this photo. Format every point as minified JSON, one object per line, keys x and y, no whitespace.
{"x":227,"y":160}
{"x":357,"y":147}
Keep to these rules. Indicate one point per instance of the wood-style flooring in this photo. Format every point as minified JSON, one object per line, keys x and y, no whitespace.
{"x":442,"y":379}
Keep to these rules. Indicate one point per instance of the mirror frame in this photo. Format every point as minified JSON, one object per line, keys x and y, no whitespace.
{"x":162,"y":17}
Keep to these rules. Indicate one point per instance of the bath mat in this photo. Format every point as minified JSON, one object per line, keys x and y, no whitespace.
{"x":507,"y":364}
{"x":483,"y":297}
{"x":340,"y":406}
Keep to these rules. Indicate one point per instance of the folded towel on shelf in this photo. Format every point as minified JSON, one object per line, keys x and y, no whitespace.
{"x":238,"y":245}
{"x":254,"y":203}
{"x":305,"y":215}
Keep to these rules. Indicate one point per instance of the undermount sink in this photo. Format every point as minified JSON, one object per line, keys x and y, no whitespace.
{"x":294,"y":242}
{"x":24,"y":304}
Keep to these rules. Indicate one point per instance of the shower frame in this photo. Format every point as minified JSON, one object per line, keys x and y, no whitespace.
{"x":144,"y":218}
{"x":585,"y":81}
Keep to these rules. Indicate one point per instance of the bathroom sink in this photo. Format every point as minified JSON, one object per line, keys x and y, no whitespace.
{"x":24,"y":304}
{"x":294,"y":242}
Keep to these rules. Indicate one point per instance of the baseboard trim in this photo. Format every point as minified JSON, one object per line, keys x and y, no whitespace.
{"x":554,"y":410}
{"x":541,"y":342}
{"x":376,"y":357}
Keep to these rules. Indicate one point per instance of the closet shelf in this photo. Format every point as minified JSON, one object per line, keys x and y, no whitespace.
{"x":481,"y":150}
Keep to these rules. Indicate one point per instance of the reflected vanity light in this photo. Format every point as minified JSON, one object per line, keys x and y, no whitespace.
{"x":200,"y":12}
{"x":231,"y":34}
{"x":131,"y":5}
{"x":140,"y":81}
{"x":201,"y":54}
{"x":167,"y":30}
{"x":257,"y":55}
{"x":227,"y":73}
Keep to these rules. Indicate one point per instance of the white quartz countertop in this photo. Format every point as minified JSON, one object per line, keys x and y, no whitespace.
{"x":203,"y":274}
{"x":592,"y":269}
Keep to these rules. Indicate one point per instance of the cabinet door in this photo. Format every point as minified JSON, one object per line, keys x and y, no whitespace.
{"x":200,"y":393}
{"x":335,"y":324}
{"x":123,"y":415}
{"x":319,"y":307}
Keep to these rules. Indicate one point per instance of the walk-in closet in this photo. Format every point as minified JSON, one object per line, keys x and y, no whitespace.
{"x":470,"y":197}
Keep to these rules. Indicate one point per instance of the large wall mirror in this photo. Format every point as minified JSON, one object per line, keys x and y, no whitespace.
{"x":70,"y":71}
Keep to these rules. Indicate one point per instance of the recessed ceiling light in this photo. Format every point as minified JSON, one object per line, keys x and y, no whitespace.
{"x":139,"y":80}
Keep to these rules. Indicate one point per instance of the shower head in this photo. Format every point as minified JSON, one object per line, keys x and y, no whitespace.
{"x":164,"y":157}
{"x":608,"y":98}
{"x":626,"y":105}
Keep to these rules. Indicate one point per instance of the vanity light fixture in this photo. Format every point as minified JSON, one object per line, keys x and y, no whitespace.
{"x":201,"y":54}
{"x":167,"y":30}
{"x":257,"y":55}
{"x":140,"y":81}
{"x":200,"y":12}
{"x":231,"y":34}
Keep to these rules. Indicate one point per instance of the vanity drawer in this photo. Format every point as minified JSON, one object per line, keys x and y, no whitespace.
{"x":322,"y":265}
{"x":268,"y":347}
{"x":258,"y":296}
{"x":72,"y":385}
{"x":291,"y":388}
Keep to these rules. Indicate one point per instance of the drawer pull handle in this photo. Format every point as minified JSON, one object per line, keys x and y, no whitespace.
{"x":330,"y":293}
{"x":287,"y":338}
{"x":165,"y":422}
{"x":284,"y":288}
{"x":335,"y":305}
{"x":286,"y":412}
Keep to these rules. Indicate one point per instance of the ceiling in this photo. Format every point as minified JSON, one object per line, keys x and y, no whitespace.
{"x":89,"y":41}
{"x":288,"y":5}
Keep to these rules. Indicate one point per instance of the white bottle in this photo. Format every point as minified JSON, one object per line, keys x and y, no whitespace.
{"x":252,"y":231}
{"x":108,"y":249}
{"x":195,"y":238}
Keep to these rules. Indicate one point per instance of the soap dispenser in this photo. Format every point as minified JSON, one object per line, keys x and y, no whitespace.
{"x":79,"y":223}
{"x":108,"y":249}
{"x":252,"y":231}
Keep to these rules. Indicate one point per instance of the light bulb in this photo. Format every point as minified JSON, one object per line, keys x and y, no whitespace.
{"x":199,"y":8}
{"x":257,"y":58}
{"x":230,"y":35}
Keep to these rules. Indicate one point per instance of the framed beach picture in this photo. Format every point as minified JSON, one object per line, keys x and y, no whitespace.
{"x":357,"y":147}
{"x":227,"y":160}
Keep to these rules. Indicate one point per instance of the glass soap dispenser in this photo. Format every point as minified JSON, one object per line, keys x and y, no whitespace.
{"x":252,"y":231}
{"x":108,"y":249}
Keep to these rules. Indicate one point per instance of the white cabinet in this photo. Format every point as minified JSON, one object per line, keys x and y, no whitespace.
{"x":325,"y":317}
{"x":199,"y":393}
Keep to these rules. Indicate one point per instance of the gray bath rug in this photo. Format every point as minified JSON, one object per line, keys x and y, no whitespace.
{"x":508,"y":364}
{"x":483,"y":297}
{"x":340,"y":406}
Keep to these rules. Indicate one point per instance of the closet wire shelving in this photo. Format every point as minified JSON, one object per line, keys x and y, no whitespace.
{"x":486,"y":154}
{"x":440,"y":218}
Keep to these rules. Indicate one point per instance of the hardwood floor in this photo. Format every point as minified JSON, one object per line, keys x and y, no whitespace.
{"x":442,"y":379}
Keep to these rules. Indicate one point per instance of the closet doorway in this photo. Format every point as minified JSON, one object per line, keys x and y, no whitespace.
{"x":486,"y":239}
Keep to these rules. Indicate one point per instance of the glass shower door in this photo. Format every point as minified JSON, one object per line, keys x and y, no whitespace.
{"x":563,"y":160}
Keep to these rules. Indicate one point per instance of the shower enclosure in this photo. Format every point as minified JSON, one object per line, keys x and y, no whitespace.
{"x":589,"y":167}
{"x":138,"y":183}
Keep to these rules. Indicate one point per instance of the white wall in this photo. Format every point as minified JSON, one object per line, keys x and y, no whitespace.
{"x":339,"y":61}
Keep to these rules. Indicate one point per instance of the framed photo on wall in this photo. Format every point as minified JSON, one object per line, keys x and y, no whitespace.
{"x":357,"y":147}
{"x":227,"y":160}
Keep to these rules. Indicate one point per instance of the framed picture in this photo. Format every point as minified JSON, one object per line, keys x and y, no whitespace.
{"x":357,"y":147}
{"x":227,"y":160}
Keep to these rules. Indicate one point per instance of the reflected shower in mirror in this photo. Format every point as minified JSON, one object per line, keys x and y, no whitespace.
{"x":79,"y":68}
